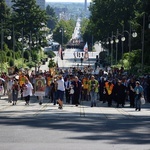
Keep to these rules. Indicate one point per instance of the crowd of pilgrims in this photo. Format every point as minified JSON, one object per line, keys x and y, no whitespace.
{"x":114,"y":88}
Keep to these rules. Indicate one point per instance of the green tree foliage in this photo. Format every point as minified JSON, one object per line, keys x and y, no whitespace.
{"x":4,"y":17}
{"x":52,"y":20}
{"x":9,"y":53}
{"x":3,"y":57}
{"x":26,"y":55}
{"x":50,"y":54}
{"x":64,"y":29}
{"x":29,"y":16}
{"x":109,"y":15}
{"x":85,"y":31}
{"x":11,"y":62}
{"x":51,"y":63}
{"x":4,"y":11}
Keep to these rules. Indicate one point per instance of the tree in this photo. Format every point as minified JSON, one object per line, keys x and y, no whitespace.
{"x":109,"y":15}
{"x":86,"y":31}
{"x":4,"y":17}
{"x":28,"y":16}
{"x":63,"y":29}
{"x":4,"y":11}
{"x":51,"y":63}
{"x":52,"y":20}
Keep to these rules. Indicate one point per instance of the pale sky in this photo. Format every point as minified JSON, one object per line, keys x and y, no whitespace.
{"x":67,"y":1}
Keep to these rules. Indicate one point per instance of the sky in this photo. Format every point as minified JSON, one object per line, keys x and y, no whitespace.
{"x":67,"y":0}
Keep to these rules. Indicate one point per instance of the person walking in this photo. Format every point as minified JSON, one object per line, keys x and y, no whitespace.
{"x":22,"y":79}
{"x":138,"y":94}
{"x":9,"y":89}
{"x":131,"y":93}
{"x":15,"y":92}
{"x":109,"y":86}
{"x":120,"y":93}
{"x":67,"y":89}
{"x":77,"y":85}
{"x":93,"y":89}
{"x":60,"y":91}
{"x":40,"y":84}
{"x":27,"y":91}
{"x":85,"y":86}
{"x":101,"y":89}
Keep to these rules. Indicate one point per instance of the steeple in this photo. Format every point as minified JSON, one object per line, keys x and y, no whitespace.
{"x":85,"y":5}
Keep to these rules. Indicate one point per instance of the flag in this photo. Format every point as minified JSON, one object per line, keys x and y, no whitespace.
{"x":60,"y":54}
{"x":85,"y":47}
{"x":86,"y":54}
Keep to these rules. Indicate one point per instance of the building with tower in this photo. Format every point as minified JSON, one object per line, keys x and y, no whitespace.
{"x":85,"y":6}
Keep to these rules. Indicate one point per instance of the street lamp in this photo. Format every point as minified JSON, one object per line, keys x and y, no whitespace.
{"x":9,"y":38}
{"x":149,"y":22}
{"x":122,"y":40}
{"x":116,"y":41}
{"x":130,"y":34}
{"x":21,"y":39}
{"x":62,"y":31}
{"x":13,"y":38}
{"x":110,"y":41}
{"x":2,"y":36}
{"x":143,"y":36}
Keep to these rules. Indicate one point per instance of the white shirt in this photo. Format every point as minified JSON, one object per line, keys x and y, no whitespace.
{"x":61,"y":85}
{"x":67,"y":84}
{"x":28,"y":90}
{"x":9,"y":85}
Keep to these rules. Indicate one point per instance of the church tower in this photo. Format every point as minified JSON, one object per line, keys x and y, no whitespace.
{"x":85,"y":5}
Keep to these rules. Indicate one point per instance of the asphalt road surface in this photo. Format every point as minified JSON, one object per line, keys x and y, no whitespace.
{"x":44,"y":127}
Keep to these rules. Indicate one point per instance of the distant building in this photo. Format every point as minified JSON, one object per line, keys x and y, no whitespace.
{"x":41,"y":3}
{"x":85,"y":5}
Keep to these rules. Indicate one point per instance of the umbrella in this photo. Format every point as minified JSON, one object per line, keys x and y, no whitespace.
{"x":2,"y":79}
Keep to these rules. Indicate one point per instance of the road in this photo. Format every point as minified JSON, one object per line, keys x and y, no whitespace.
{"x":69,"y":59}
{"x":77,"y":128}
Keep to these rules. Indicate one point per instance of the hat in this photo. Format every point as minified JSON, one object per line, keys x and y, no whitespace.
{"x":119,"y":81}
{"x":137,"y":82}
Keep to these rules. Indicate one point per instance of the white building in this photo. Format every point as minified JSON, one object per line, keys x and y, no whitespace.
{"x":41,"y":3}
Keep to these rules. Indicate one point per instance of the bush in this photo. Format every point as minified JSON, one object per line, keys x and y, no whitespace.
{"x":51,"y":63}
{"x":9,"y":53}
{"x":31,"y":64}
{"x":26,"y":55}
{"x":11,"y":62}
{"x":50,"y":54}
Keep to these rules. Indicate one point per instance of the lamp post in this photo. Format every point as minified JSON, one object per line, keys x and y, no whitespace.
{"x":2,"y":36}
{"x":111,"y":50}
{"x":13,"y":38}
{"x":143,"y":36}
{"x":116,"y":41}
{"x":110,"y":41}
{"x":122,"y":40}
{"x":149,"y":21}
{"x":21,"y":39}
{"x":130,"y":34}
{"x":62,"y":35}
{"x":9,"y":38}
